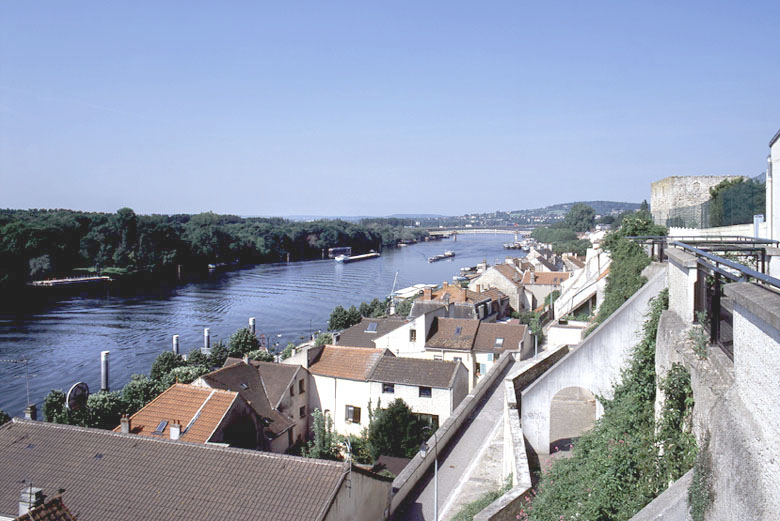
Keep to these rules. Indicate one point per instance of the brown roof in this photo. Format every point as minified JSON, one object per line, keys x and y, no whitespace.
{"x":352,"y":363}
{"x":546,"y":278}
{"x":574,"y":260}
{"x":51,"y":510}
{"x":415,"y":371}
{"x":493,"y":294}
{"x":509,"y":272}
{"x":246,"y":381}
{"x":199,"y":410}
{"x":276,"y":378}
{"x":452,"y":333}
{"x":512,"y":335}
{"x":360,"y":336}
{"x":120,"y":477}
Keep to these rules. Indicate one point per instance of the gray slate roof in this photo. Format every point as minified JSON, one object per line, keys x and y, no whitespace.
{"x":358,"y":336}
{"x":119,"y":477}
{"x":415,"y":371}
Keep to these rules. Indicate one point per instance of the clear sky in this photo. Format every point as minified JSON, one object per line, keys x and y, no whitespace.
{"x":335,"y":108}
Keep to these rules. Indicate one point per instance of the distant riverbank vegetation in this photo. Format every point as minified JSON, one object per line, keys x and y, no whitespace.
{"x":37,"y":244}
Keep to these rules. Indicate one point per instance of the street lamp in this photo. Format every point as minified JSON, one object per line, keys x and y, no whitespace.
{"x":423,"y":452}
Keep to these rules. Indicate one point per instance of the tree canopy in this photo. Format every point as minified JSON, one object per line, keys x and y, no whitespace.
{"x":580,"y":218}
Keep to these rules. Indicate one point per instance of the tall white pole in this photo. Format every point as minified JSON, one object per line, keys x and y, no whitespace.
{"x":435,"y":478}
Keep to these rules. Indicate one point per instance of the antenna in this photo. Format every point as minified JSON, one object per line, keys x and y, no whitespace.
{"x":26,"y":372}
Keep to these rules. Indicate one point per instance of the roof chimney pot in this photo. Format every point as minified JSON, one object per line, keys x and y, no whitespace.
{"x":175,"y":429}
{"x":31,"y":497}
{"x":124,"y":424}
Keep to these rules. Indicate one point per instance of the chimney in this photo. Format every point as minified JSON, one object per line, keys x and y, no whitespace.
{"x":175,"y":429}
{"x":252,"y":325}
{"x":176,"y":344}
{"x":104,"y":370}
{"x":124,"y":424}
{"x":31,"y":497}
{"x":206,"y":341}
{"x":427,"y":294}
{"x":31,"y":413}
{"x":444,"y":284}
{"x":479,"y":288}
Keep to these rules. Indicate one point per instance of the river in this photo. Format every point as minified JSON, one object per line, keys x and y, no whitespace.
{"x":63,"y":338}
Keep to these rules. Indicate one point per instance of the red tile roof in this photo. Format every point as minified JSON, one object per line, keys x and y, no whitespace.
{"x":545,"y":278}
{"x":51,"y":510}
{"x":199,"y":410}
{"x":352,"y":363}
{"x":452,"y":333}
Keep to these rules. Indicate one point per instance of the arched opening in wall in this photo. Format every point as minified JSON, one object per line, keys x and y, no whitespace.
{"x":572,"y":413}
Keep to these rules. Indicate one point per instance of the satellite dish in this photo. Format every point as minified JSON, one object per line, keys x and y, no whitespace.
{"x":77,"y":396}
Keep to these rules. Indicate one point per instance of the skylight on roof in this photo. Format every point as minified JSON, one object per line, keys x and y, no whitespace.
{"x":161,"y":427}
{"x":499,"y":343}
{"x":458,"y":330}
{"x":371,"y":327}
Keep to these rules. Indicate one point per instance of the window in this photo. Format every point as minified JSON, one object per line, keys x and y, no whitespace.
{"x":292,"y":390}
{"x":458,"y":330}
{"x":425,"y":392}
{"x":482,"y":369}
{"x":290,"y":436}
{"x":388,"y":388}
{"x":302,"y":411}
{"x":430,"y":419}
{"x":490,"y":357}
{"x":412,"y":335}
{"x":301,"y":388}
{"x":353,"y":414}
{"x":371,"y":327}
{"x":499,"y":343}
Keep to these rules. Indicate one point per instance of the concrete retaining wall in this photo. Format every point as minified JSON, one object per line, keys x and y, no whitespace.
{"x":745,"y":230}
{"x":595,"y":364}
{"x":418,"y":466}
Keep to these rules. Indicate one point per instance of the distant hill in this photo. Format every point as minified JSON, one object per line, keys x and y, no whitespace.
{"x":601,"y":208}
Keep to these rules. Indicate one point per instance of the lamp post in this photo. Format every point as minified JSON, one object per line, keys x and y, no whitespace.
{"x":423,"y":452}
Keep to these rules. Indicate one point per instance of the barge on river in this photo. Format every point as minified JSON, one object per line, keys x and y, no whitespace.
{"x":343,"y":259}
{"x":446,"y":255}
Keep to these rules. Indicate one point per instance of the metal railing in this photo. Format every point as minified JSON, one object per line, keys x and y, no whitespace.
{"x":712,"y":309}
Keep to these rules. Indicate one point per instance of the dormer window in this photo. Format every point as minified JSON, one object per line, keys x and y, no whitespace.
{"x":371,"y":327}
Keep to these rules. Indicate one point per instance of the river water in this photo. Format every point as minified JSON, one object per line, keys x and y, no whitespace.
{"x":62,"y":339}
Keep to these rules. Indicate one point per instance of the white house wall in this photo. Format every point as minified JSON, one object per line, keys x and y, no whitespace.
{"x":440,"y":403}
{"x":334,"y":394}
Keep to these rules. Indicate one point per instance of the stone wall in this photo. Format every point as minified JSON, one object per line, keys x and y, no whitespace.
{"x":681,"y":191}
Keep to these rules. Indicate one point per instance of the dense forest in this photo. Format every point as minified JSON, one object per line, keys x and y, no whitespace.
{"x":36,"y":244}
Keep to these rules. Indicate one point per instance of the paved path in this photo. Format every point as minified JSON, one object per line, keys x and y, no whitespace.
{"x":459,"y":460}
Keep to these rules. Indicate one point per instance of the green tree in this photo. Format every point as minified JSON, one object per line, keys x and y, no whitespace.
{"x":139,"y":391}
{"x":54,"y":410}
{"x":242,"y":342}
{"x":353,"y":316}
{"x":105,"y":409}
{"x":219,"y":353}
{"x":580,"y":217}
{"x":183,"y":375}
{"x":395,"y":431}
{"x":404,"y":307}
{"x":288,"y":351}
{"x":261,"y":355}
{"x":4,"y":418}
{"x":325,"y":443}
{"x":196,"y":357}
{"x":165,"y":362}
{"x":338,"y":319}
{"x":323,"y":339}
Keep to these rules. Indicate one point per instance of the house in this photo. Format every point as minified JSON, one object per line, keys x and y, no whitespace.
{"x":460,"y":340}
{"x":431,"y":388}
{"x":349,"y":380}
{"x":340,"y":376}
{"x":507,"y":278}
{"x":461,"y":302}
{"x":197,"y":415}
{"x":538,"y":284}
{"x":279,"y":431}
{"x":367,"y":331}
{"x":104,"y":475}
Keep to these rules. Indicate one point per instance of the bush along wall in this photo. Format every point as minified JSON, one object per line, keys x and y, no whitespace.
{"x":627,"y":459}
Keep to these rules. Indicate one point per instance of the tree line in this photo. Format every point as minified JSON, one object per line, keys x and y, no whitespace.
{"x":36,"y":244}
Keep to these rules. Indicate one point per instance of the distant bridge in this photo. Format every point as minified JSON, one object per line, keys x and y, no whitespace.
{"x":509,"y":230}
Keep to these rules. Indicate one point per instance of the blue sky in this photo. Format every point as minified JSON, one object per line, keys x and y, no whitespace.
{"x":336,"y":108}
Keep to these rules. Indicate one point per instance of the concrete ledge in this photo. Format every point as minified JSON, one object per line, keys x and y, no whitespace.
{"x":418,"y":466}
{"x":762,"y":302}
{"x":680,"y":258}
{"x":671,"y":505}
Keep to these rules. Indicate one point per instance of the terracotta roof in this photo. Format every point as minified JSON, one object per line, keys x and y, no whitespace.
{"x":360,"y":335}
{"x":452,"y":333}
{"x":493,"y":294}
{"x":352,"y":363}
{"x":415,"y":371}
{"x":487,"y":334}
{"x":546,"y":278}
{"x":51,"y":510}
{"x":120,"y":477}
{"x":199,"y":410}
{"x":246,"y":381}
{"x":276,"y":378}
